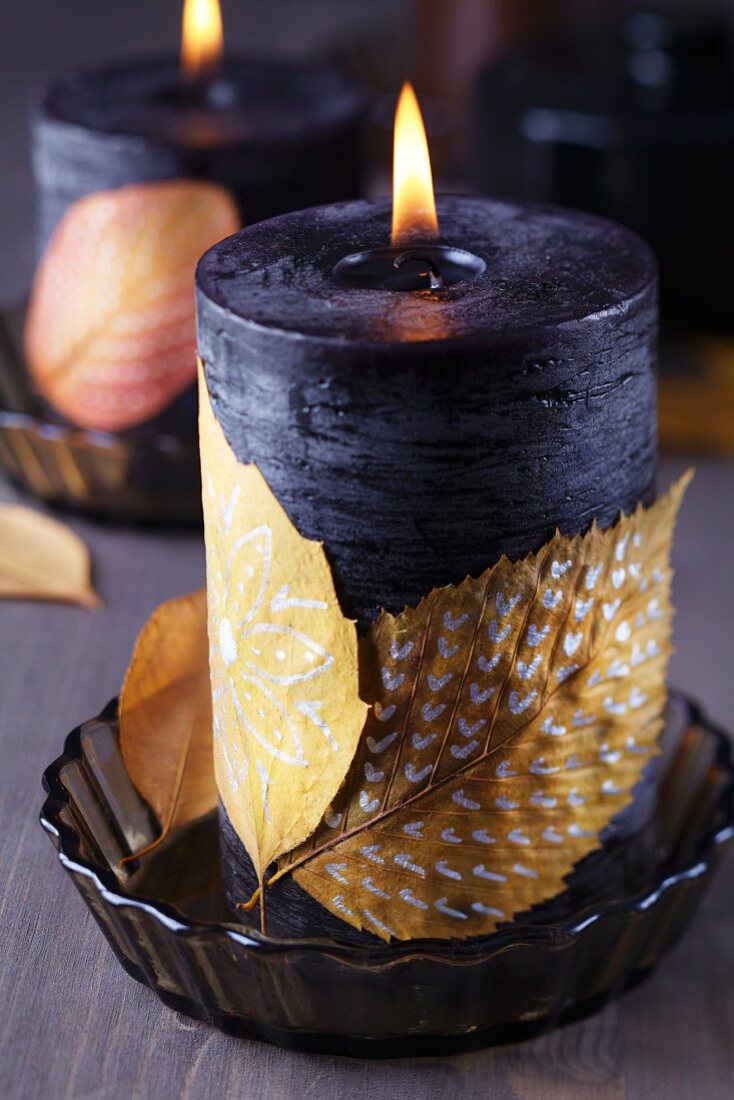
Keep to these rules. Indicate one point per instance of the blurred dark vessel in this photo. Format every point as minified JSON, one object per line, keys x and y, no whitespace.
{"x":631,"y":117}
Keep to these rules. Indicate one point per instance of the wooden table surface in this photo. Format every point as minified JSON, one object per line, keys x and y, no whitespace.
{"x":73,"y":1024}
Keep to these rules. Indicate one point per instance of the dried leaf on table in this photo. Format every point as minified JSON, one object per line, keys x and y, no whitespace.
{"x":110,"y":335}
{"x":512,"y":715}
{"x":165,"y":714}
{"x":284,"y":659}
{"x":42,"y":559}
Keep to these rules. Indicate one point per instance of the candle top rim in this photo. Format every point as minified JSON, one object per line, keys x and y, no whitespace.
{"x":545,"y":266}
{"x":277,"y":98}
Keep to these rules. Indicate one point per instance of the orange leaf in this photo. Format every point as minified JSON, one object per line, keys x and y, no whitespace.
{"x":165,"y":714}
{"x":110,"y":335}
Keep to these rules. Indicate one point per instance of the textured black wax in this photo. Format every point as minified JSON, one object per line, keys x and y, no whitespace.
{"x":279,"y":135}
{"x":421,"y":435}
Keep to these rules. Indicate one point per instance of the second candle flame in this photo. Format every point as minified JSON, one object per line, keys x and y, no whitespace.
{"x":201,"y":37}
{"x":414,"y":205}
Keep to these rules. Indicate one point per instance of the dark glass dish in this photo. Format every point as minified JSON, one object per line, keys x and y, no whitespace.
{"x":148,"y":474}
{"x":167,"y":920}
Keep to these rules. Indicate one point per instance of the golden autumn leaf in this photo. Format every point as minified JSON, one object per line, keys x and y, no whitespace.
{"x":42,"y":559}
{"x":110,"y":335}
{"x":165,"y":714}
{"x":283,"y":658}
{"x":512,"y":715}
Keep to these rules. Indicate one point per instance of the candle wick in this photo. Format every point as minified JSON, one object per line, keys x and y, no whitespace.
{"x":435,"y":276}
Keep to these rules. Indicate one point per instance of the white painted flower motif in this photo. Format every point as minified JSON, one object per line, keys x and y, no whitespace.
{"x":270,"y":652}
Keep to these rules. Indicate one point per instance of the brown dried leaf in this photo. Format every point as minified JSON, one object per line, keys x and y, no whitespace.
{"x":166,"y":717}
{"x":512,"y":716}
{"x":42,"y":559}
{"x":284,"y":660}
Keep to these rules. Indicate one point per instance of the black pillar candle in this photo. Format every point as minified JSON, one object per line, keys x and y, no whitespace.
{"x":422,"y":434}
{"x":279,"y":135}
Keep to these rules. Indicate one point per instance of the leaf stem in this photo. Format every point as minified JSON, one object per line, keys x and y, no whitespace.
{"x":263,"y":921}
{"x":144,"y":851}
{"x":248,"y":906}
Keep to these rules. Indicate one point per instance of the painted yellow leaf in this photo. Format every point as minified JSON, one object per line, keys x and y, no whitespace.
{"x":512,"y":716}
{"x":42,"y":559}
{"x":165,"y":714}
{"x":283,"y":659}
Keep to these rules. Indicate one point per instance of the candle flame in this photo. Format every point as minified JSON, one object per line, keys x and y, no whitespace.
{"x":414,"y":206}
{"x":202,"y":37}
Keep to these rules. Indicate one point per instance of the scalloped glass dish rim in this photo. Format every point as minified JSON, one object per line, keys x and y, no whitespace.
{"x":380,"y":955}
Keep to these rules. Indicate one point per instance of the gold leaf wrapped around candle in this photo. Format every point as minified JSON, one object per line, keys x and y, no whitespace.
{"x":512,"y":716}
{"x":283,"y":658}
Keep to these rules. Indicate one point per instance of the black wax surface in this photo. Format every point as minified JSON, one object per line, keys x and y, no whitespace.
{"x":422,"y":435}
{"x":268,"y":132}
